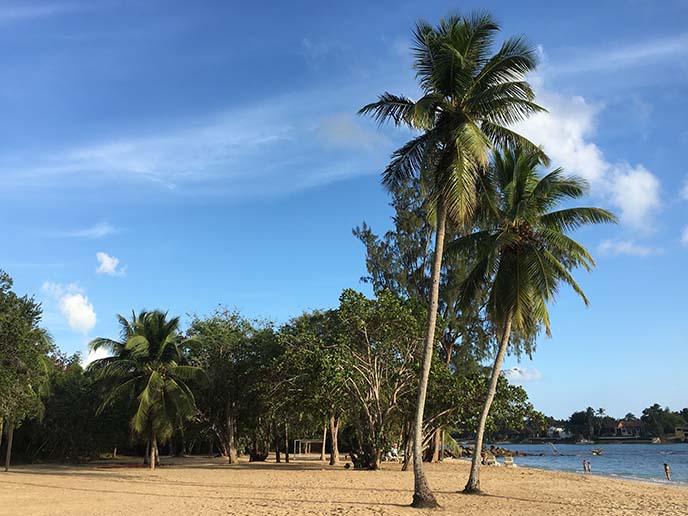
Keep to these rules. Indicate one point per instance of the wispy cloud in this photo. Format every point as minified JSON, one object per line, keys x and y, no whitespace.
{"x":109,"y":265}
{"x":628,"y":247}
{"x":345,"y":131}
{"x":273,"y":147}
{"x":26,"y":11}
{"x":100,"y":230}
{"x":634,"y":54}
{"x":684,"y":236}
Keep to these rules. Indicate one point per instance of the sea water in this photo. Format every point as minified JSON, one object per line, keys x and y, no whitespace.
{"x":634,"y":461}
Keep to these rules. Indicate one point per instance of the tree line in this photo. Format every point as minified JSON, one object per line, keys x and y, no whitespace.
{"x":244,"y":387}
{"x":479,"y":248}
{"x":655,"y":421}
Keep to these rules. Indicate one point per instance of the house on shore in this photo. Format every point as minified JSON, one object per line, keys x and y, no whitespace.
{"x":681,"y":432}
{"x":557,"y":432}
{"x":631,"y":428}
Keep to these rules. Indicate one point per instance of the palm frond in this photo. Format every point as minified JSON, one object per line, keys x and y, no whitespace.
{"x":390,"y":108}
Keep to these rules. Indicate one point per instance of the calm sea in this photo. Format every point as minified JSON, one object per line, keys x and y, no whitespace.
{"x":635,"y":461}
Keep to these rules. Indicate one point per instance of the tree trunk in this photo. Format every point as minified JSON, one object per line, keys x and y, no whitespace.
{"x":146,"y":455}
{"x":324,"y":441}
{"x":422,"y":494}
{"x":114,"y":453}
{"x":436,"y":445}
{"x":232,"y":455}
{"x":408,"y":453}
{"x":1,"y":427}
{"x":286,"y":442}
{"x":153,"y":444}
{"x":473,"y":484}
{"x":441,"y":445}
{"x":277,"y":447}
{"x":334,"y":438}
{"x":8,"y":453}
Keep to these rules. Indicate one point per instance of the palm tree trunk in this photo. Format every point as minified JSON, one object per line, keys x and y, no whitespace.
{"x":324,"y":441}
{"x":153,"y":446}
{"x":286,"y":442}
{"x":334,"y":438}
{"x":8,"y":453}
{"x":146,"y":454}
{"x":473,"y":484}
{"x":422,"y":494}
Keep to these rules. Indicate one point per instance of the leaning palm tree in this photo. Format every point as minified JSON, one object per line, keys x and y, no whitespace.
{"x":148,"y":365}
{"x":470,"y":96}
{"x":522,"y":255}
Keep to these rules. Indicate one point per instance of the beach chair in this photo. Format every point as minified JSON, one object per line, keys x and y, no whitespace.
{"x":491,"y":460}
{"x":509,"y":462}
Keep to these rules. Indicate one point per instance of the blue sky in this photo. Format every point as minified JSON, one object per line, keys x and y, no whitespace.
{"x":162,"y":156}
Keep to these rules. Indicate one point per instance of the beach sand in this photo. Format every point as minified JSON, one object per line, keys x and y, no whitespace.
{"x":204,"y":486}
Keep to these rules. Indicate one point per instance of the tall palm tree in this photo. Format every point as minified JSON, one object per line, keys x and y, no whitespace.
{"x":469,"y":97}
{"x":148,"y":364}
{"x":523,"y":254}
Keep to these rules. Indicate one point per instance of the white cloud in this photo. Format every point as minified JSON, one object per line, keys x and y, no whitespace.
{"x":109,"y":265}
{"x":635,"y":190}
{"x":684,"y":190}
{"x":628,"y":247}
{"x":99,"y":230}
{"x":94,"y":355}
{"x":565,"y":133}
{"x":519,"y":375}
{"x":73,"y":304}
{"x":684,"y":236}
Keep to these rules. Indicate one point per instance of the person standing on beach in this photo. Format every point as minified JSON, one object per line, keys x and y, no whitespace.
{"x":667,"y":471}
{"x":585,"y":466}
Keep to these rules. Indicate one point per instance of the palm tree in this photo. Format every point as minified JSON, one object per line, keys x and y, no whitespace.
{"x":470,"y":96}
{"x":148,"y":364}
{"x":523,"y":255}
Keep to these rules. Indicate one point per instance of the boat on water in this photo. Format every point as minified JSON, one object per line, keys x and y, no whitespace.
{"x":584,"y":441}
{"x":597,"y":451}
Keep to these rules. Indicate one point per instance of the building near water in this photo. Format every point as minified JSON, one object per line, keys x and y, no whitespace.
{"x":681,"y":432}
{"x":631,"y":428}
{"x":557,"y":432}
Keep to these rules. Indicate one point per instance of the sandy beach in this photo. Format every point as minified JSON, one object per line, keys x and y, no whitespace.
{"x":203,"y":486}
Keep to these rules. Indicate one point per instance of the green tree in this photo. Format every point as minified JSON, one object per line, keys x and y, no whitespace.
{"x":311,"y":371}
{"x":23,"y":360}
{"x":469,"y":98}
{"x":660,"y":421}
{"x":523,"y":255}
{"x":217,"y":346}
{"x":378,"y":340}
{"x":148,"y":364}
{"x":69,"y":429}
